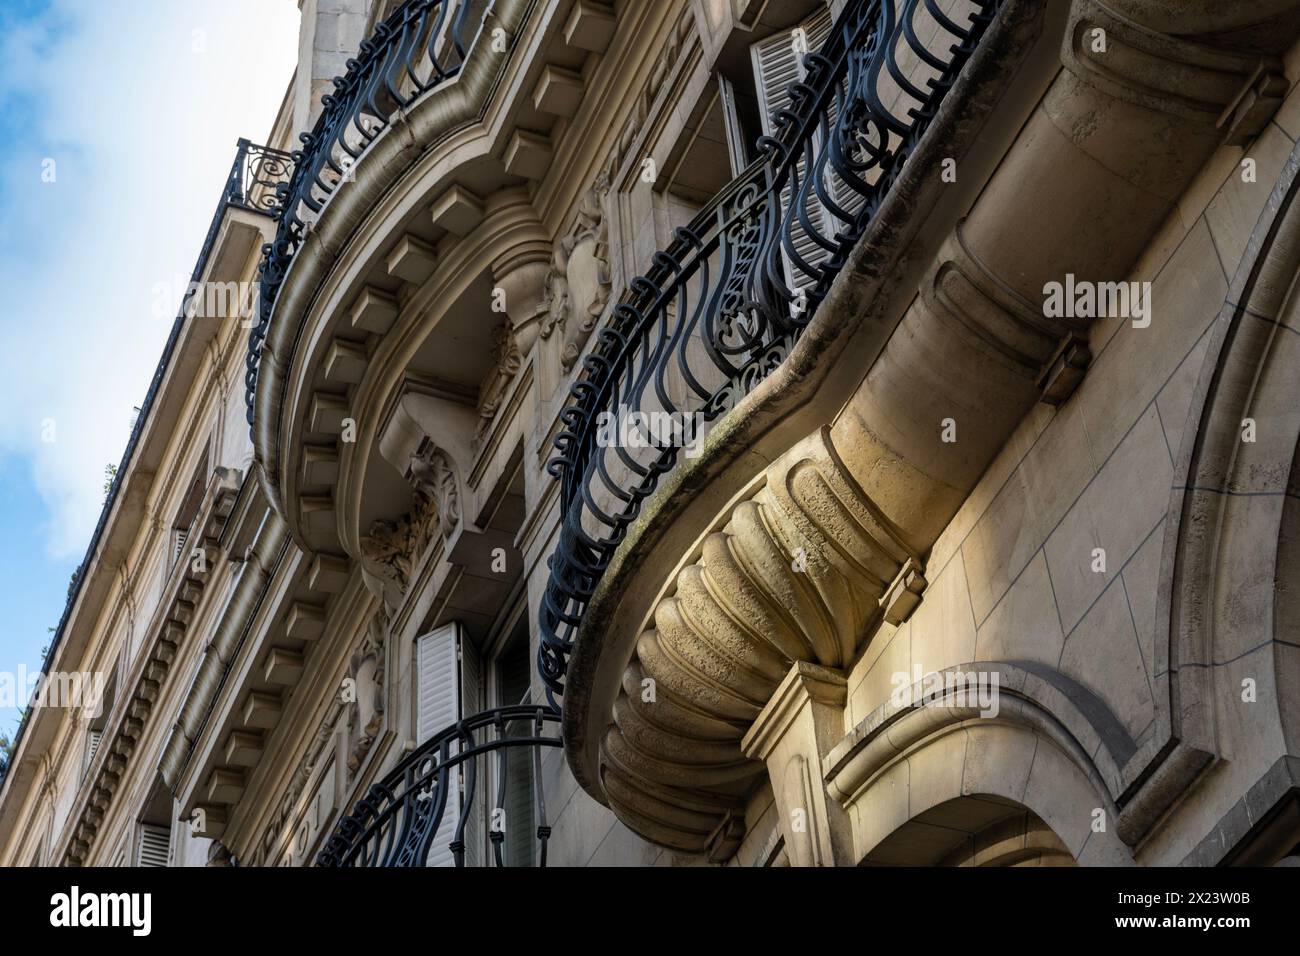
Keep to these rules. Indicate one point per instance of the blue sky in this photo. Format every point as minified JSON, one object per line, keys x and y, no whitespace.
{"x":134,"y":106}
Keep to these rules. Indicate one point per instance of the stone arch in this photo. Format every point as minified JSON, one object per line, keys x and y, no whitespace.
{"x":975,"y":830}
{"x":1286,"y":618}
{"x":1225,"y":552}
{"x":904,"y":761}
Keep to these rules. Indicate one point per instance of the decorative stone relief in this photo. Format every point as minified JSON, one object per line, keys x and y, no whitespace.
{"x":437,"y":495}
{"x":392,"y":547}
{"x":682,"y":38}
{"x":315,"y":752}
{"x":506,"y":362}
{"x":367,"y":671}
{"x":387,"y":555}
{"x":579,"y":283}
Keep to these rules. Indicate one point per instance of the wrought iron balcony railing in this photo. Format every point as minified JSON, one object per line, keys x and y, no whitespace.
{"x":404,"y":819}
{"x":421,"y":44}
{"x":721,"y":307}
{"x":256,"y":177}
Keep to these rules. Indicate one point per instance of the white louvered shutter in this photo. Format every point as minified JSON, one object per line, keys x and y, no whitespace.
{"x":438,"y":707}
{"x":179,"y":546}
{"x":776,"y":67}
{"x":153,"y":846}
{"x":92,"y":745}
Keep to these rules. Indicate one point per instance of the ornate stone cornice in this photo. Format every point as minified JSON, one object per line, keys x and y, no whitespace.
{"x":135,"y":703}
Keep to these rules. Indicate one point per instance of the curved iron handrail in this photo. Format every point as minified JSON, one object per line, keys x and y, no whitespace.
{"x":397,"y":821}
{"x":418,"y":46}
{"x":721,"y":307}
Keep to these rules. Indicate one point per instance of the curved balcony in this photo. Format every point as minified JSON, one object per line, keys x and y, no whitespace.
{"x":723,"y":305}
{"x":419,"y":46}
{"x":407,"y":210}
{"x":403,"y":820}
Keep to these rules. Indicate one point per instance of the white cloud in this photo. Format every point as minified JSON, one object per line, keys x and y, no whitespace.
{"x":140,"y":105}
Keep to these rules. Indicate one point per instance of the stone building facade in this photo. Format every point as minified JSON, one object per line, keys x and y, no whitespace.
{"x":745,"y":432}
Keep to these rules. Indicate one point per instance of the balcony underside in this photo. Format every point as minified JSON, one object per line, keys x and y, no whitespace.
{"x":804,"y":527}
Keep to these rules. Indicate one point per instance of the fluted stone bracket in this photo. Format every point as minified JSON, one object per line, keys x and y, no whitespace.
{"x":798,"y":727}
{"x":796,"y":573}
{"x":1158,"y":70}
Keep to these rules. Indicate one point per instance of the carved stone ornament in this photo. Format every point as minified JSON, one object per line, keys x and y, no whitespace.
{"x":392,"y":547}
{"x":366,"y":669}
{"x":506,"y":362}
{"x":387,"y":552}
{"x":437,"y":496}
{"x":315,"y":753}
{"x":578,"y":284}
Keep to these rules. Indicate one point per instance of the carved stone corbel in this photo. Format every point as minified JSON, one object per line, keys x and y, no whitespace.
{"x":392,"y":547}
{"x":428,"y":439}
{"x":437,"y":492}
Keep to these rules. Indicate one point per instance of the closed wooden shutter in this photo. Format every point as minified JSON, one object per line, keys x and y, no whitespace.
{"x":776,"y":66}
{"x":154,"y":845}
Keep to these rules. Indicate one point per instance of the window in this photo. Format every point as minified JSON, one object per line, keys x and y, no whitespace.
{"x":95,"y":730}
{"x":153,"y":832}
{"x":153,"y":845}
{"x":739,"y":104}
{"x":777,"y":63}
{"x":187,"y":512}
{"x":512,"y":673}
{"x":452,"y":682}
